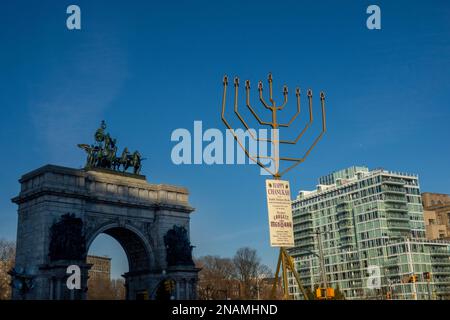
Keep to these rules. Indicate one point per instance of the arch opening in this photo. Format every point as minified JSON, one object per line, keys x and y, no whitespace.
{"x":128,"y":257}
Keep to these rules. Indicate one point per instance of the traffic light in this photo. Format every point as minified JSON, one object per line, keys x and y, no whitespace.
{"x":169,"y":285}
{"x":320,"y":293}
{"x":330,"y":292}
{"x":324,"y":293}
{"x":413,"y":278}
{"x":427,"y":276}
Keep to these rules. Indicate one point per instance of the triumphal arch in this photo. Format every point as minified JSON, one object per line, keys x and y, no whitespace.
{"x":62,"y":210}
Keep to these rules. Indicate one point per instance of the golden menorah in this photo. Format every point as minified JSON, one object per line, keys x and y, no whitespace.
{"x":285,"y":262}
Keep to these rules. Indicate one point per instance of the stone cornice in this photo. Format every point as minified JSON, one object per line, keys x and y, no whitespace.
{"x":81,"y":184}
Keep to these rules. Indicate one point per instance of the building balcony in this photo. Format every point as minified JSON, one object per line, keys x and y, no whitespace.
{"x":303,"y":227}
{"x":398,"y":226}
{"x":343,"y":215}
{"x":440,"y":270}
{"x":303,"y":217}
{"x":394,"y":200}
{"x":304,"y":249}
{"x":440,"y":262}
{"x":343,"y":202}
{"x":399,"y":234}
{"x":439,"y":253}
{"x":301,"y":235}
{"x":398,"y":217}
{"x":344,"y":224}
{"x":393,"y":181}
{"x":342,"y":212}
{"x":441,"y":280}
{"x":392,"y":264}
{"x":392,"y":190}
{"x":346,"y":234}
{"x":396,"y":208}
{"x":391,"y":271}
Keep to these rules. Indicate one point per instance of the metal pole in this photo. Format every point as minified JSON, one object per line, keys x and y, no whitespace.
{"x":285,"y":277}
{"x":322,"y":262}
{"x":429,"y":289}
{"x":277,"y":272}
{"x":411,"y":268}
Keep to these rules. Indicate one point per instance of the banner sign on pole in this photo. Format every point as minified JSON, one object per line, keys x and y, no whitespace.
{"x":280,"y":213}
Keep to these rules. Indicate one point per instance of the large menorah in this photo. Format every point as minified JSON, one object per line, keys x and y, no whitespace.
{"x":285,"y":261}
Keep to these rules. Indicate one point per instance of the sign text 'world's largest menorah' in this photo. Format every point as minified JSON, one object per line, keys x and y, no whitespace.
{"x":277,"y":191}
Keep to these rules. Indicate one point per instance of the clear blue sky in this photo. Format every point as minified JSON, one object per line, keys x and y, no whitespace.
{"x":148,"y":68}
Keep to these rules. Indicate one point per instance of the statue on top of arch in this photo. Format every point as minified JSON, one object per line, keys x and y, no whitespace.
{"x":103,"y":154}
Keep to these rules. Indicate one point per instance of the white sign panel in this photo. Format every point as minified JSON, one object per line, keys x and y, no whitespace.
{"x":280,"y":213}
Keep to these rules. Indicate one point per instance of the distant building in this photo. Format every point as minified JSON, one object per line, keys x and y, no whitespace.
{"x":437,"y":215}
{"x":101,"y":268}
{"x":372,"y":232}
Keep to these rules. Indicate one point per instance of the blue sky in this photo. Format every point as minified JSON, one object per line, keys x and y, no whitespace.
{"x":148,"y":68}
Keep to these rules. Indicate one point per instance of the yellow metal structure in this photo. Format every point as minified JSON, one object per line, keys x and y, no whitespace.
{"x":285,"y":261}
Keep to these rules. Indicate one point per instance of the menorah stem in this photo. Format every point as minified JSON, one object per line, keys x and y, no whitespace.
{"x":276,"y":152}
{"x":275,"y":143}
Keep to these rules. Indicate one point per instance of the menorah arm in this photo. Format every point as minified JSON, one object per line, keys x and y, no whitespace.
{"x":262,"y":99}
{"x":285,"y":94}
{"x":247,"y":153}
{"x":300,"y":160}
{"x":236,"y":111}
{"x":296,"y":114}
{"x":247,"y":90}
{"x":310,"y":122}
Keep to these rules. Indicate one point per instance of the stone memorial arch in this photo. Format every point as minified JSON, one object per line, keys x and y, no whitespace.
{"x":62,"y":210}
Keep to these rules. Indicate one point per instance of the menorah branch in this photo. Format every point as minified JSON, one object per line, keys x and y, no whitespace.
{"x":261,"y":98}
{"x":236,"y":111}
{"x":297,"y":93}
{"x":285,"y":94}
{"x":247,"y":91}
{"x":310,"y":122}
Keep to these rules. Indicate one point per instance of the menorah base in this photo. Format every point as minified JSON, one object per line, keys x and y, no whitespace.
{"x":285,"y":263}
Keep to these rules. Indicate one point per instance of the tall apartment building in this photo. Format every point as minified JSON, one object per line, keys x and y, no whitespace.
{"x":371,"y":229}
{"x":437,"y":215}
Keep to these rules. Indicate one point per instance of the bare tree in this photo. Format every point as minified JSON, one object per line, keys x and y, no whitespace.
{"x":7,"y":258}
{"x":118,"y":288}
{"x":250,"y":272}
{"x":106,"y":289}
{"x":264,"y":281}
{"x":243,"y":277}
{"x":216,"y":279}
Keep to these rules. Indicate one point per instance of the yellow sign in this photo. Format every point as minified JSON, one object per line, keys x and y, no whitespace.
{"x":280,"y":213}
